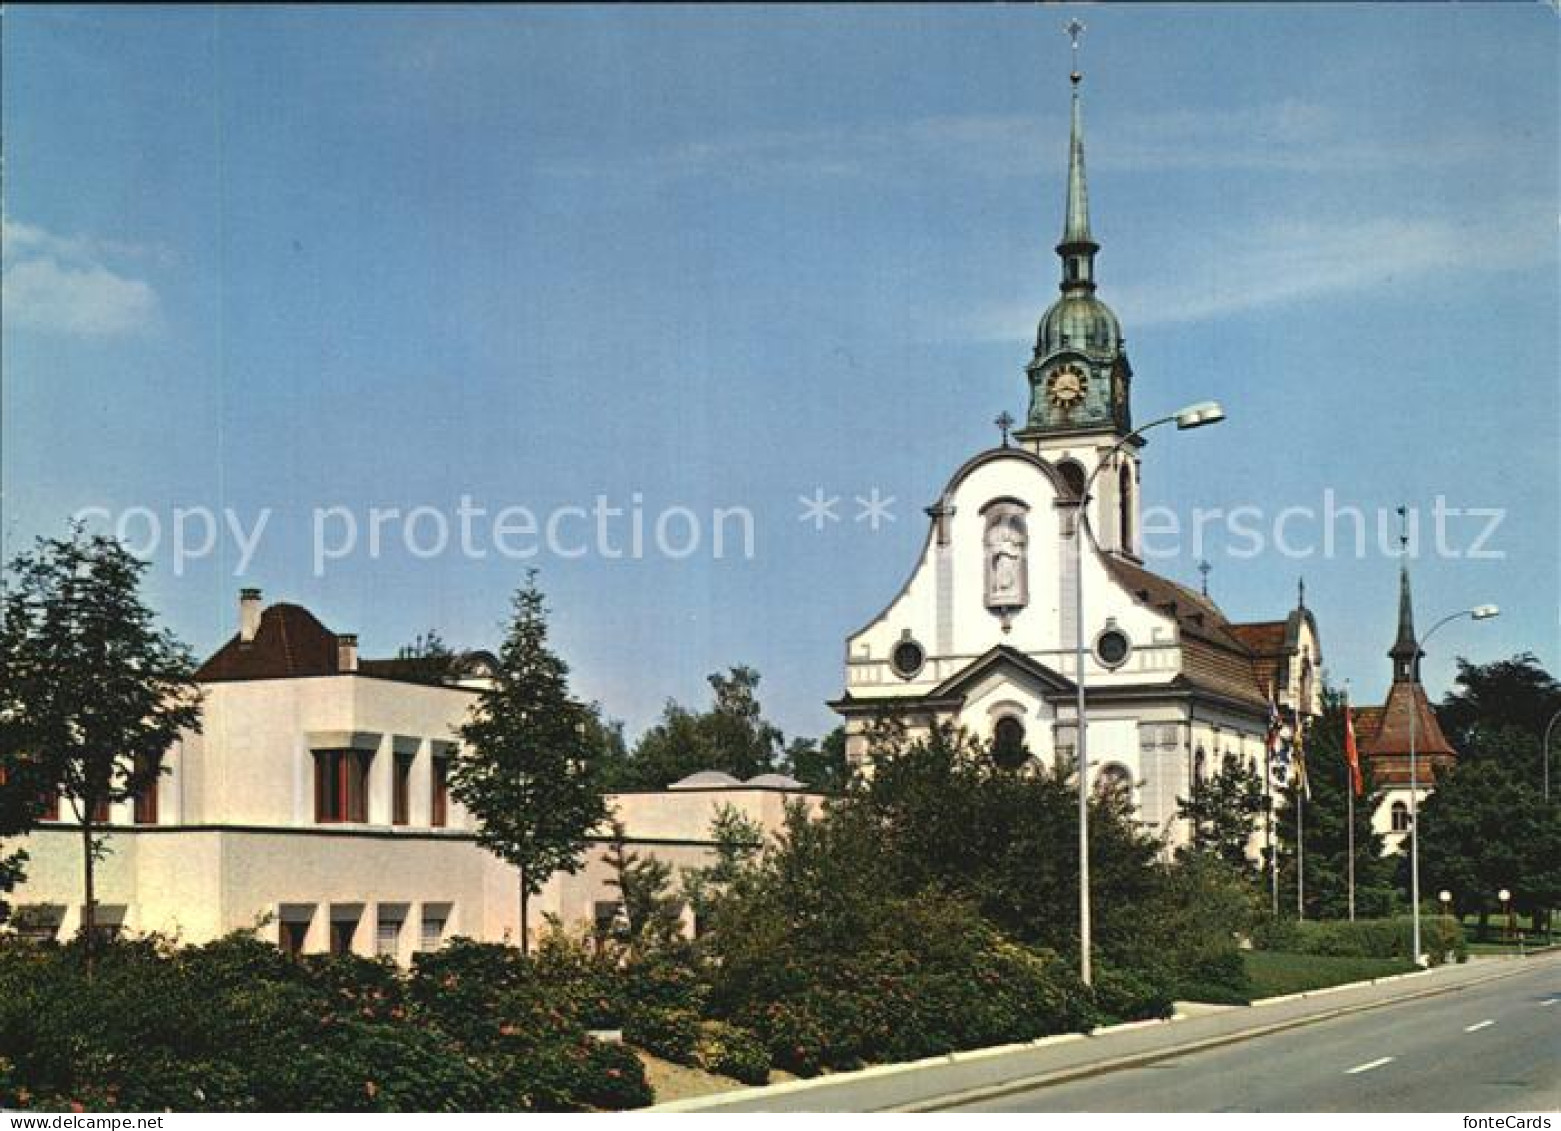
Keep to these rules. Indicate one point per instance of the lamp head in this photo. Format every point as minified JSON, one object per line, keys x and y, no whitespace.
{"x":1484,"y":612}
{"x":1197,"y":415}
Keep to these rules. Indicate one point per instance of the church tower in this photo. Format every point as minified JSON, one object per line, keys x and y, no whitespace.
{"x":1079,"y":377}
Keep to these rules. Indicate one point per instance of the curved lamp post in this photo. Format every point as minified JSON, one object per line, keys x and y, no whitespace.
{"x":1479,"y":612}
{"x":1193,"y":416}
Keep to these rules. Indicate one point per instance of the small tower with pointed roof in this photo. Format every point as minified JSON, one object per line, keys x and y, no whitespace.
{"x":1386,"y":731}
{"x":1079,"y":377}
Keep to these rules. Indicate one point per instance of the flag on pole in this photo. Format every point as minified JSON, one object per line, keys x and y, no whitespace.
{"x":1351,"y":751}
{"x":1278,"y":749}
{"x":1298,"y":756}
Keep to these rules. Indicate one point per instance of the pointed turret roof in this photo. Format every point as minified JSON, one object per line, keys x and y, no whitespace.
{"x":1405,"y":653}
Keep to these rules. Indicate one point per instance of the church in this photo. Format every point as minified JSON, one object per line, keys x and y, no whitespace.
{"x":984,"y":632}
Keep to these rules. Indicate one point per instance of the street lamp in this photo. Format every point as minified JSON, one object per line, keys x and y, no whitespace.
{"x":1479,"y":612}
{"x":1193,"y":416}
{"x":1506,"y":907}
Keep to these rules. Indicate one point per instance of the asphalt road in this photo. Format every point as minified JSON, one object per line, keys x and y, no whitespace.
{"x":1492,"y":1047}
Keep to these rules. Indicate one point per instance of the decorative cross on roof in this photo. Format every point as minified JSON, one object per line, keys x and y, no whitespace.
{"x":1205,"y":568}
{"x":1004,"y":424}
{"x":1075,"y":29}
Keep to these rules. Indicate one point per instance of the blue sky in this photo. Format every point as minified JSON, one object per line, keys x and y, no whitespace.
{"x":295,"y":259}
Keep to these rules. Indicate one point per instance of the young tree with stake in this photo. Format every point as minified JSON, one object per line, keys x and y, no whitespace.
{"x":529,"y":768}
{"x":92,"y":692}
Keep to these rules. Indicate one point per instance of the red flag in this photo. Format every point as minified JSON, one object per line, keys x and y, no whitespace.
{"x":1351,"y":753}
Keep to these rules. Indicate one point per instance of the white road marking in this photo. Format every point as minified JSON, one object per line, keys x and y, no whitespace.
{"x":1550,"y":1001}
{"x":1369,"y":1065}
{"x":1477,"y":1026}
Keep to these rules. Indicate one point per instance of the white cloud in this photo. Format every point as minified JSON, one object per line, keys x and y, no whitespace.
{"x":1288,"y":136}
{"x":60,"y":284}
{"x":1295,"y":260}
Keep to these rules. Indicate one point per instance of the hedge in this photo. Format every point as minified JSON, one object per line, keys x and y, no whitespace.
{"x":1440,"y":937}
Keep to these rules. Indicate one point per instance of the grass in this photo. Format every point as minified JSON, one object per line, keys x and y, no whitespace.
{"x":1274,"y":973}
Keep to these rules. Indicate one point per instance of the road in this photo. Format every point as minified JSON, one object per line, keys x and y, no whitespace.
{"x":1485,"y":1037}
{"x":1494,"y":1047}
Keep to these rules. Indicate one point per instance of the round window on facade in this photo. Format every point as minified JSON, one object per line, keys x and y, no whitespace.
{"x":1112,"y":647}
{"x":907,"y":658}
{"x":1008,"y":748}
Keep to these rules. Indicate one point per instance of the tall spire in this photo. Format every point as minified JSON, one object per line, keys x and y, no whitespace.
{"x":1078,"y":246}
{"x":1405,"y":652}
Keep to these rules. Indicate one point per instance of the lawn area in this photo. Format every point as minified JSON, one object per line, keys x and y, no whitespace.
{"x":1274,"y":973}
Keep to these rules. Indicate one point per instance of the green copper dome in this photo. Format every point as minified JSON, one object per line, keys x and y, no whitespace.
{"x":1079,"y":321}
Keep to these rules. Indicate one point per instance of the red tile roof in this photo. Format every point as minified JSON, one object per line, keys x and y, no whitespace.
{"x":1383,"y":733}
{"x":290,"y":641}
{"x":1214,"y":658}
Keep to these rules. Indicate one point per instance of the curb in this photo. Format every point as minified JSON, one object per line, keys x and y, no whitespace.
{"x":1064,"y":1075}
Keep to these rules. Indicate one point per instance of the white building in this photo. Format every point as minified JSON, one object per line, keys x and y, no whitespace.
{"x":314,"y":800}
{"x":983,"y":632}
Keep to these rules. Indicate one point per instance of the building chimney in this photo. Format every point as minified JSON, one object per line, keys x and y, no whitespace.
{"x":248,"y":615}
{"x":347,"y":652}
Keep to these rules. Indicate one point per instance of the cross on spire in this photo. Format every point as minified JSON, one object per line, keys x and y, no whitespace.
{"x":1005,"y":424}
{"x":1074,"y":29}
{"x":1205,"y":568}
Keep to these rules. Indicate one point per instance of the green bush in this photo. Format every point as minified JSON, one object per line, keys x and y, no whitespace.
{"x":670,"y":1033}
{"x":730,"y":1050}
{"x":1440,"y":937}
{"x":1130,"y":995}
{"x":236,"y":1026}
{"x":898,"y":979}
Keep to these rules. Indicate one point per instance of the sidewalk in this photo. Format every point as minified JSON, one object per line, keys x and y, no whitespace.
{"x":932,"y":1083}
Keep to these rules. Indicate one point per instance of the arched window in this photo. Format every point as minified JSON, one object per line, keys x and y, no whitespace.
{"x":1114,"y":780}
{"x":1400,"y":813}
{"x":1072,"y":473}
{"x":1008,"y":748}
{"x":1125,"y":507}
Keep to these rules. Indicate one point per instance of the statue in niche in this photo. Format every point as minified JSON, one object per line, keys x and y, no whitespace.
{"x":1006,"y":543}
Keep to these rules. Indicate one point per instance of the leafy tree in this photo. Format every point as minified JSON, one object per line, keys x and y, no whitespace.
{"x":942,"y":813}
{"x":1224,"y":810}
{"x":739,"y":839}
{"x":528,"y":768}
{"x":1327,"y":830}
{"x":732,"y":736}
{"x":428,"y":659}
{"x":1505,"y":696}
{"x":1485,"y":828}
{"x":93,"y":692}
{"x":821,"y":765}
{"x":652,"y":913}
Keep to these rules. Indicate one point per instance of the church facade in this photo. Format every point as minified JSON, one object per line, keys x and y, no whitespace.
{"x":983,"y":633}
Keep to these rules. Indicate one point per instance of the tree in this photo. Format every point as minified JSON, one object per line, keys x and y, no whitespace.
{"x":1327,"y":830}
{"x":738,"y":841}
{"x":822,"y":764}
{"x":94,"y":693}
{"x":428,"y":659}
{"x":529,"y":767}
{"x":1486,"y":698}
{"x":1485,"y":828}
{"x":1224,"y":810}
{"x":652,"y":913}
{"x":733,"y":737}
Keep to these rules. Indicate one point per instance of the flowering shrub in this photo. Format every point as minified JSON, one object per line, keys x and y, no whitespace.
{"x":731,"y":1050}
{"x":235,"y":1026}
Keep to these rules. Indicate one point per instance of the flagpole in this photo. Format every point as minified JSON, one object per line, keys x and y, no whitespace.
{"x":1349,"y":792}
{"x":1300,"y":853}
{"x":1268,"y":833}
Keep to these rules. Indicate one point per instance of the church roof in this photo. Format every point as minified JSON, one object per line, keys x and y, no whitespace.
{"x":1215,"y":658}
